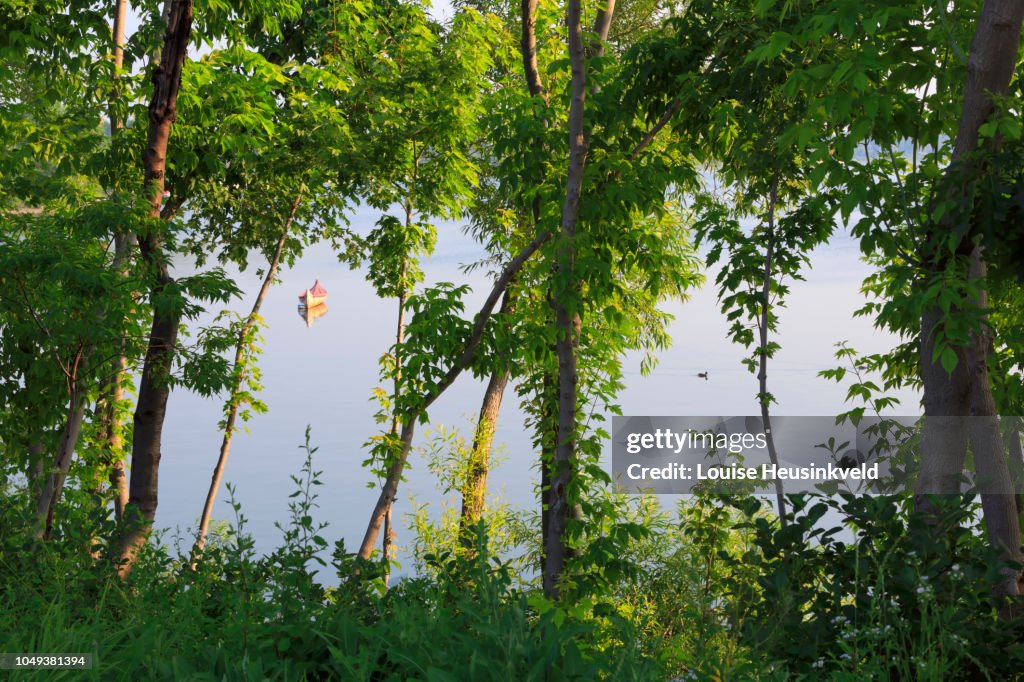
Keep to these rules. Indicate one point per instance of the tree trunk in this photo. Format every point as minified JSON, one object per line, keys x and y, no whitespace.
{"x":35,"y":443}
{"x":120,"y":13}
{"x":387,"y":544}
{"x":998,"y":501}
{"x":154,"y":389}
{"x":475,"y":487}
{"x":534,"y":85}
{"x":566,"y":309}
{"x":528,"y":49}
{"x":991,"y":64}
{"x":113,"y":395}
{"x":118,"y":479}
{"x":50,"y":493}
{"x":548,"y":439}
{"x":762,"y":375}
{"x":111,"y":462}
{"x":238,"y":370}
{"x":390,"y":487}
{"x":944,"y":438}
{"x":389,"y":490}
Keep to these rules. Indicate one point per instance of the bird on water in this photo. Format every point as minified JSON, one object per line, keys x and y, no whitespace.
{"x":703,"y":375}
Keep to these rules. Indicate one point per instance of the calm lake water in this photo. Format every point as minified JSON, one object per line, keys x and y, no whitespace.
{"x":323,"y":376}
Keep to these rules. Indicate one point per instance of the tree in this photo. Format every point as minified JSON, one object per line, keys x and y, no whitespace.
{"x":929,"y":121}
{"x":245,"y":378}
{"x":422,"y":114}
{"x":749,"y":131}
{"x":474,"y":488}
{"x":64,"y":301}
{"x":967,"y":389}
{"x":124,"y":242}
{"x":623,"y":205}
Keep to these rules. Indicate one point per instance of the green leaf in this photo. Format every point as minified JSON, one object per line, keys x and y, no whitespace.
{"x":948,"y":359}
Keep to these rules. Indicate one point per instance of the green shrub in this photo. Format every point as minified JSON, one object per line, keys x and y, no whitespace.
{"x":900,"y":597}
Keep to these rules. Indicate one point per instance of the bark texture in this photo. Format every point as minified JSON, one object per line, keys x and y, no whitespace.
{"x":54,"y":484}
{"x":475,"y":487}
{"x":566,"y":309}
{"x":475,"y":491}
{"x":528,"y":47}
{"x":36,"y":463}
{"x":1016,"y":463}
{"x":124,"y":243}
{"x":991,"y":63}
{"x":110,"y":461}
{"x":154,"y":389}
{"x":998,"y":499}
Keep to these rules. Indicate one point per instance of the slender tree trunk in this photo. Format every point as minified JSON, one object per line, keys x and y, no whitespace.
{"x":602,"y":26}
{"x":548,"y":443}
{"x":548,"y":440}
{"x":118,"y":478}
{"x":112,"y":397}
{"x":51,"y":490}
{"x":124,"y":242}
{"x":991,"y":64}
{"x":154,"y":388}
{"x":238,"y":370}
{"x":475,"y":487}
{"x":762,"y":375}
{"x":534,"y":85}
{"x":35,"y":443}
{"x":69,"y":441}
{"x":120,"y":14}
{"x":110,"y":464}
{"x":566,"y":308}
{"x":388,"y":491}
{"x":387,"y":544}
{"x":390,"y":487}
{"x":528,"y":49}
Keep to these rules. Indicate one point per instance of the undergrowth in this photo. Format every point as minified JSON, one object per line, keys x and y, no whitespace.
{"x":852,"y":588}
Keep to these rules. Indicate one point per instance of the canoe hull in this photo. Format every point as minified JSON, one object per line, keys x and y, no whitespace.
{"x":309,"y":300}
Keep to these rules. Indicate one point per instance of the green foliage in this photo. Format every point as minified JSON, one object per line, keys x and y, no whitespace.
{"x":886,"y":85}
{"x":64,"y":313}
{"x":853,"y":587}
{"x":879,"y":593}
{"x":393,"y":251}
{"x":436,"y":335}
{"x":743,"y":128}
{"x":503,"y":530}
{"x":237,"y":616}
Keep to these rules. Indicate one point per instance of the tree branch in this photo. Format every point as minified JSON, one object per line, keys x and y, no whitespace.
{"x":528,"y":47}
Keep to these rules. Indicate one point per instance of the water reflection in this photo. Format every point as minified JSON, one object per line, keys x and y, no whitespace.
{"x":312,"y":314}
